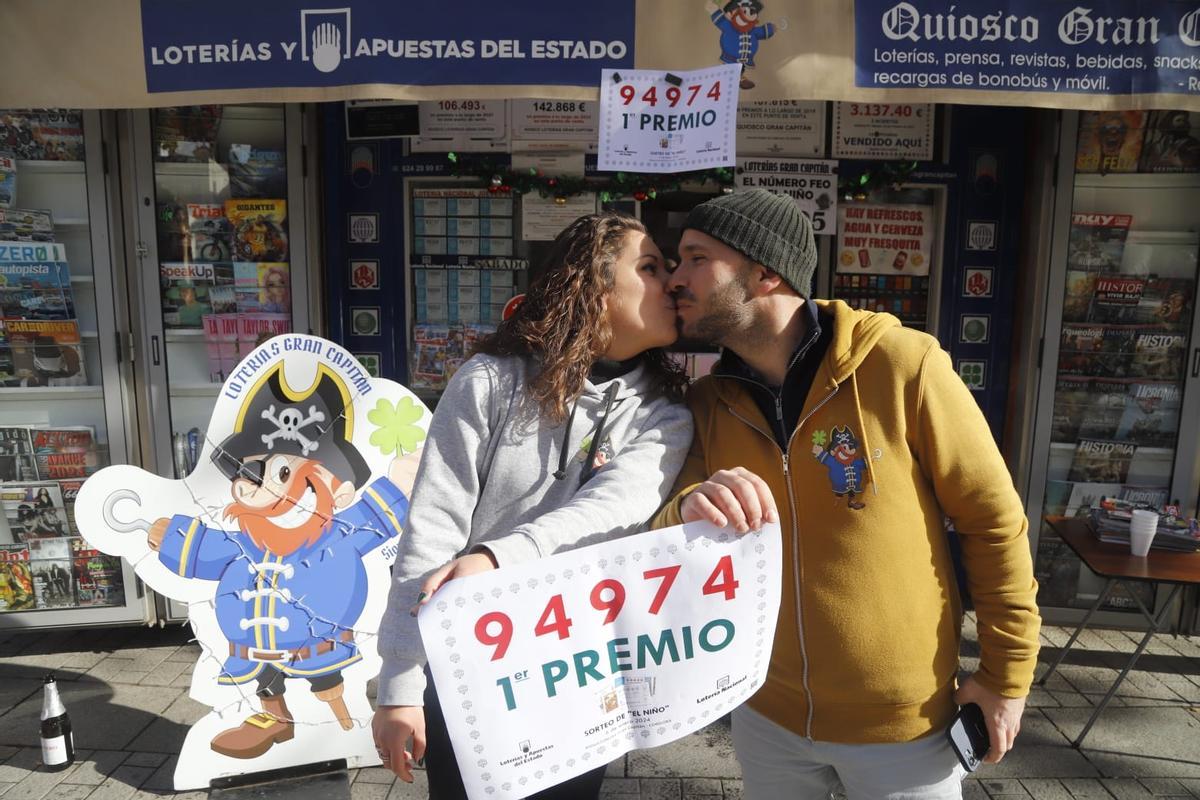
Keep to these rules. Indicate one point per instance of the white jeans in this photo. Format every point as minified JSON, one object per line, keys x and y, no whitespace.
{"x":780,"y":765}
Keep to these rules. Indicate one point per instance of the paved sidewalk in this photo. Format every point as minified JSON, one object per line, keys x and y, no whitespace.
{"x":126,"y":690}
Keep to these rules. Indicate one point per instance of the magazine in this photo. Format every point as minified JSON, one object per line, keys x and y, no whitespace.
{"x":1172,"y":142}
{"x":1159,"y":355}
{"x":58,"y":134}
{"x":99,"y":580}
{"x":41,"y":353}
{"x":16,"y":582}
{"x":186,"y":133}
{"x":1097,"y":241}
{"x":1077,"y":300}
{"x":259,"y":229}
{"x":1058,"y":493}
{"x":17,"y":462}
{"x":221,"y":344}
{"x":1167,"y":302}
{"x":1087,"y":407}
{"x":70,"y":491}
{"x":1100,"y":416}
{"x":35,"y":281}
{"x":185,"y":291}
{"x":209,"y":232}
{"x":1086,"y":496}
{"x":53,"y":582}
{"x":1110,"y":141}
{"x":66,"y":452}
{"x":174,"y":238}
{"x":263,"y":286}
{"x":26,"y":225}
{"x":8,"y":181}
{"x":34,"y":510}
{"x":1097,"y":350}
{"x":254,"y":329}
{"x":43,"y":134}
{"x":1150,"y":417}
{"x":1100,"y":461}
{"x":429,"y":356}
{"x":257,"y":172}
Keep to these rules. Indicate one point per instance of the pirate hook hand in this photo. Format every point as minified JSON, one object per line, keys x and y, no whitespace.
{"x":711,"y":7}
{"x":782,"y":24}
{"x":403,"y":471}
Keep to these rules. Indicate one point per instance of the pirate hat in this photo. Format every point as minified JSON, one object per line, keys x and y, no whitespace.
{"x":315,"y":423}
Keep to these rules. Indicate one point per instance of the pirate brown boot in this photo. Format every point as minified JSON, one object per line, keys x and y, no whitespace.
{"x":259,"y":732}
{"x":333,"y":696}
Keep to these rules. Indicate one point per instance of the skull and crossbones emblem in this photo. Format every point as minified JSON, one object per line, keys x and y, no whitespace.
{"x":288,"y":424}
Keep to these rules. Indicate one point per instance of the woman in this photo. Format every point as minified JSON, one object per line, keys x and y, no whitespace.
{"x":567,"y":429}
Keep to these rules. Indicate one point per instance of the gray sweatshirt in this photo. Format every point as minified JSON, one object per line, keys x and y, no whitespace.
{"x":487,"y":476}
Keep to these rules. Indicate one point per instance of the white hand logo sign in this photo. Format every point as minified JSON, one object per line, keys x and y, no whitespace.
{"x":326,"y":47}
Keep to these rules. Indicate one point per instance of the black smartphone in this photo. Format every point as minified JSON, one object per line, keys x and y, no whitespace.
{"x":968,"y":736}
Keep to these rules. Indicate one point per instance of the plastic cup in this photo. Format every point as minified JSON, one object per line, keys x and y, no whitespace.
{"x":1142,"y":528}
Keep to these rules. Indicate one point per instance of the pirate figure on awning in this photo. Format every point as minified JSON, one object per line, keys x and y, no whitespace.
{"x":741,"y":33}
{"x":291,"y":583}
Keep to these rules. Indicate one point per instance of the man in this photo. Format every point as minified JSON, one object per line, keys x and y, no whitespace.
{"x":866,"y":438}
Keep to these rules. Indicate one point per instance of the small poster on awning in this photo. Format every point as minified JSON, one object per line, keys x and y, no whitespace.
{"x":655,"y":121}
{"x":781,"y":127}
{"x":885,"y":239}
{"x":883,"y":130}
{"x":812,"y":183}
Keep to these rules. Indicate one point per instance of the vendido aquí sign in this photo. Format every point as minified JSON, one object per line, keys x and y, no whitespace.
{"x":1107,"y":47}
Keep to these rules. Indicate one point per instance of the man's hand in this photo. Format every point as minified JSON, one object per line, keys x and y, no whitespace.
{"x":403,"y":472}
{"x":1002,"y":715}
{"x":156,"y":533}
{"x":392,"y":728}
{"x":460,"y":567}
{"x":735,"y":497}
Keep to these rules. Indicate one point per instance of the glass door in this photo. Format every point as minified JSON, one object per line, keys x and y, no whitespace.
{"x":61,"y":376}
{"x":889,"y":253}
{"x":1123,"y":287}
{"x":220,"y":235}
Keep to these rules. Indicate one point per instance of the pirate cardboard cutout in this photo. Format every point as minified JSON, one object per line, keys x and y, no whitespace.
{"x":281,"y":543}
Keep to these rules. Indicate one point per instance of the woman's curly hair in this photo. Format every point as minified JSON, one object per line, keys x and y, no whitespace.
{"x":561,"y":321}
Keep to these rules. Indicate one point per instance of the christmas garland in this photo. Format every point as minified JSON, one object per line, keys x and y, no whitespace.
{"x":501,"y":179}
{"x":883,"y":175}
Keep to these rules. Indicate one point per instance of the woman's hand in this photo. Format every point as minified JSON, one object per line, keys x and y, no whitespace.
{"x":392,"y":728}
{"x":460,"y":567}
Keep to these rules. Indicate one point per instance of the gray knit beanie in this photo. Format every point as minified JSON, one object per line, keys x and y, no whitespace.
{"x":766,"y":227}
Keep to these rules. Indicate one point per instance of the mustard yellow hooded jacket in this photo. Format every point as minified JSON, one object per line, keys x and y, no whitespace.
{"x":889,"y":443}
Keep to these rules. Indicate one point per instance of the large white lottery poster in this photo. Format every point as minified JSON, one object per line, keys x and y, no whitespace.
{"x":885,"y":238}
{"x":552,"y":668}
{"x":655,"y":121}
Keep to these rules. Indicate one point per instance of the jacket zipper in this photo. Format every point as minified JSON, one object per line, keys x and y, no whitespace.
{"x":796,"y":571}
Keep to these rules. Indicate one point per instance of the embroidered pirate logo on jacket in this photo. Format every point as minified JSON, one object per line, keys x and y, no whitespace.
{"x":604,"y":452}
{"x":838,"y":452}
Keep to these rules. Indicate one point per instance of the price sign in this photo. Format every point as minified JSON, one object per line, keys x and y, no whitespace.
{"x":555,"y":121}
{"x":655,"y":121}
{"x":883,"y":130}
{"x":465,"y":125}
{"x":550,"y":668}
{"x":811,"y":183}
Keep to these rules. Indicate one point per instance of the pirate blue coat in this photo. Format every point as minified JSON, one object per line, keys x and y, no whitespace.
{"x":269,"y":602}
{"x":738,"y":47}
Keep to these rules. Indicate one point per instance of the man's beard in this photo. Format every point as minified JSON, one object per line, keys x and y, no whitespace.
{"x":261,"y":529}
{"x":727,"y":317}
